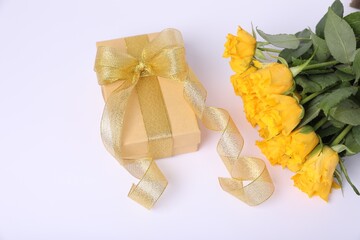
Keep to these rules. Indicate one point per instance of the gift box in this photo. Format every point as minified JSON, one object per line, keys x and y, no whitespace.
{"x":182,"y":120}
{"x":153,"y":101}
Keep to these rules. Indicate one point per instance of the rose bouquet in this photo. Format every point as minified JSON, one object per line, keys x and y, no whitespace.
{"x":306,"y":102}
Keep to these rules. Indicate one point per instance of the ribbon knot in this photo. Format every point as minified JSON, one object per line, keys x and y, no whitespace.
{"x":142,"y":69}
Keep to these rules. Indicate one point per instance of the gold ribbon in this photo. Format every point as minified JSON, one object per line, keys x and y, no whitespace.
{"x":152,"y":105}
{"x":164,"y":56}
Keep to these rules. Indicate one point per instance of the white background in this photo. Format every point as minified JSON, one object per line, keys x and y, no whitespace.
{"x":58,"y":182}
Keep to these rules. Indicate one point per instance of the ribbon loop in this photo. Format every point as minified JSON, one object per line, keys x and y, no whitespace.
{"x":112,"y":65}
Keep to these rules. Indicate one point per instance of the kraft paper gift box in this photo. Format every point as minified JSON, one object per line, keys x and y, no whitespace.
{"x":183,"y":122}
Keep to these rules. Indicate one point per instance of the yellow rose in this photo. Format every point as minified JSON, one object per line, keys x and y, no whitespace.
{"x":256,"y":85}
{"x":274,"y":78}
{"x":240,"y":49}
{"x":240,"y":46}
{"x":243,"y":87}
{"x":316,"y":176}
{"x":241,"y":83}
{"x":281,"y":117}
{"x":290,"y":151}
{"x":254,"y":107}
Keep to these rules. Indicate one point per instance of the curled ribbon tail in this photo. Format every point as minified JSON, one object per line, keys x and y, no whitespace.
{"x":152,"y":182}
{"x":257,"y":185}
{"x":250,"y":180}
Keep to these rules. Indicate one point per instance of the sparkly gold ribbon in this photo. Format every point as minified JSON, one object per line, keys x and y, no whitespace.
{"x":164,"y":56}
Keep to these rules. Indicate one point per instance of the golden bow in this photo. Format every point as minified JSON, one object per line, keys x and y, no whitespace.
{"x":164,"y":56}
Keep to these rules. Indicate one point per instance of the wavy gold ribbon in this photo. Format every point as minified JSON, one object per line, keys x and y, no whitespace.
{"x":164,"y":56}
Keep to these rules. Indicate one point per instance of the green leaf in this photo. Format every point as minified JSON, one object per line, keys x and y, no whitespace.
{"x":288,"y":54}
{"x":345,"y":68}
{"x":307,"y":85}
{"x":304,"y":46}
{"x":340,"y":148}
{"x":298,"y":69}
{"x":281,"y":40}
{"x":306,"y":33}
{"x":297,"y":62}
{"x":312,"y":111}
{"x":352,"y":140}
{"x":335,"y":97}
{"x":352,"y":144}
{"x":356,"y":66}
{"x":347,"y":112}
{"x":357,"y":97}
{"x":325,"y":80}
{"x":328,"y":131}
{"x":338,"y":8}
{"x":339,"y":37}
{"x":355,"y":131}
{"x":322,"y":50}
{"x":344,"y":77}
{"x":353,"y":19}
{"x":310,"y":114}
{"x":336,"y":123}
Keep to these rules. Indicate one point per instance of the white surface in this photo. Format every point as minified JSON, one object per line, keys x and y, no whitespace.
{"x":58,"y":182}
